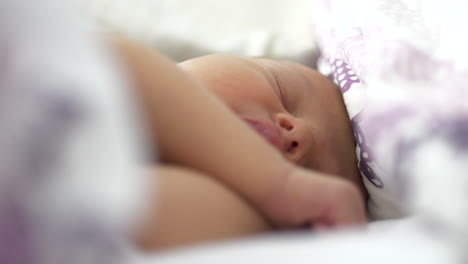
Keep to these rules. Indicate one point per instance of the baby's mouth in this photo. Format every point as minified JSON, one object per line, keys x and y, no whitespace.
{"x":268,"y":131}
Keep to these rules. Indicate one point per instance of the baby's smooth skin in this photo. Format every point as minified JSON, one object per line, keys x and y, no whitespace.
{"x":298,"y":110}
{"x":217,"y":178}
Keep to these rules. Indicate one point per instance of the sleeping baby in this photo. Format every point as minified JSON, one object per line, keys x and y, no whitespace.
{"x":302,"y":131}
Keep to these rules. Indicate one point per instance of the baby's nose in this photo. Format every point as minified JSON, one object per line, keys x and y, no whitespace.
{"x":296,"y":137}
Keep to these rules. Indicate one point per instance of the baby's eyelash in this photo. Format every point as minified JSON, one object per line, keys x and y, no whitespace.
{"x":282,"y":96}
{"x":281,"y":93}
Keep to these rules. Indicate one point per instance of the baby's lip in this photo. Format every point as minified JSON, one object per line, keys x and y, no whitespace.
{"x":268,"y":131}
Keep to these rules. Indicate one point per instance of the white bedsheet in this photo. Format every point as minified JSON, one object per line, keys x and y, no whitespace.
{"x":395,"y":241}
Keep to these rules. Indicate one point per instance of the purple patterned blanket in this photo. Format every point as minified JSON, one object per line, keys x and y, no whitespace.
{"x":401,"y":66}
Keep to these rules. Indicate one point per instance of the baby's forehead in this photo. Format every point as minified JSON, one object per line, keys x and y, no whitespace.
{"x":281,"y":66}
{"x":220,"y":64}
{"x":228,"y":68}
{"x":283,"y":69}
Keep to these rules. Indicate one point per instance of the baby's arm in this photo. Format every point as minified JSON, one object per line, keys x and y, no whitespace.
{"x":190,"y":207}
{"x":193,"y":128}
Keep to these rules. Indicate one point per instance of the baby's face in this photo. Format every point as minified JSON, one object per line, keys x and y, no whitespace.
{"x":296,"y":109}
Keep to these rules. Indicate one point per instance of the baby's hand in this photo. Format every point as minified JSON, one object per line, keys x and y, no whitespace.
{"x":315,"y":199}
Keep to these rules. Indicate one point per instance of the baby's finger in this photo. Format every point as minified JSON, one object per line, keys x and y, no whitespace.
{"x":348,"y":209}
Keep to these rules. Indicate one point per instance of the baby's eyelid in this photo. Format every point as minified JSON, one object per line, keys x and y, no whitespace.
{"x":281,"y":93}
{"x":283,"y":100}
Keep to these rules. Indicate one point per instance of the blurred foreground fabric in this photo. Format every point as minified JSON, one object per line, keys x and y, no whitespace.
{"x":69,"y":177}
